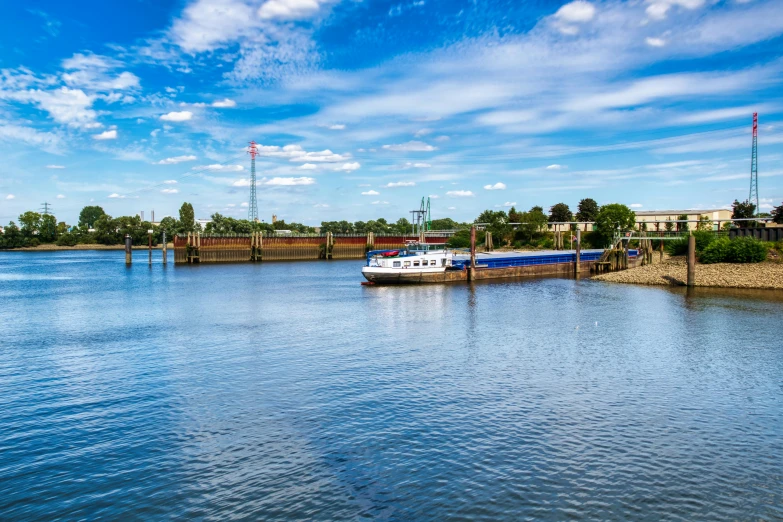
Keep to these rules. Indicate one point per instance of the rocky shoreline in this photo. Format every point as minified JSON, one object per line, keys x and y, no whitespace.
{"x":767,"y":275}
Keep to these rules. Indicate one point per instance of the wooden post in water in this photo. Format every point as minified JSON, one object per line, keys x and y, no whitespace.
{"x":472,"y":271}
{"x":165,"y":248}
{"x":691,"y":260}
{"x":128,"y":250}
{"x":578,"y":250}
{"x":149,"y":233}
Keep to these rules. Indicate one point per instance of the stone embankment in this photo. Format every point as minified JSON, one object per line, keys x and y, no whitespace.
{"x":767,"y":275}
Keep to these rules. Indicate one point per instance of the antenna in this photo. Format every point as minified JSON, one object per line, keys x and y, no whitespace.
{"x":754,"y":167}
{"x":252,"y":211}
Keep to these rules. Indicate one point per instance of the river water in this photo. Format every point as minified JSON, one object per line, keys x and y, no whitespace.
{"x":287,"y":391}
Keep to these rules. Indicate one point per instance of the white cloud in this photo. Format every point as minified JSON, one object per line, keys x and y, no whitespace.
{"x":289,"y":9}
{"x":433,"y":196}
{"x":289,"y":181}
{"x":224,"y":104}
{"x":176,"y":159}
{"x":106,"y":135}
{"x":401,"y":184}
{"x":308,"y":166}
{"x":452,"y":208}
{"x":221,"y":168}
{"x":296,"y":153}
{"x":321,"y":205}
{"x":636,"y":205}
{"x":655,"y":42}
{"x":371,"y":193}
{"x":170,"y":182}
{"x":350,"y":166}
{"x":72,"y":107}
{"x":496,"y":186}
{"x":411,"y":146}
{"x":177,"y":116}
{"x":116,"y":196}
{"x":576,"y":12}
{"x":554,"y":166}
{"x":460,"y":193}
{"x":55,"y":166}
{"x":337,"y":126}
{"x":658,"y":9}
{"x":244,"y":204}
{"x":10,"y":196}
{"x":380,"y":202}
{"x":60,"y":196}
{"x":509,"y":204}
{"x":169,"y":191}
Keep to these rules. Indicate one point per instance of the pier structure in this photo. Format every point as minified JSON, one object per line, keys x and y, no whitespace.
{"x":196,"y":248}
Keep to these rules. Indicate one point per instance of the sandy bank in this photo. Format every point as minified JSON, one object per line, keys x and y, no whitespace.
{"x":767,"y":275}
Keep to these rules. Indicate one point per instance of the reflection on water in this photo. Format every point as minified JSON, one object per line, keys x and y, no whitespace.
{"x":289,"y":391}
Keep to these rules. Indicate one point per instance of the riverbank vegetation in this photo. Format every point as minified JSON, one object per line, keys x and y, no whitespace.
{"x":530,"y":229}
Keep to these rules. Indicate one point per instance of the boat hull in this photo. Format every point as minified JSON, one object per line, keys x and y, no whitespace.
{"x":385,"y":276}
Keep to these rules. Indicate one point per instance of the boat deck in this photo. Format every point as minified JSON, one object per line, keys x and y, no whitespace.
{"x":529,"y":258}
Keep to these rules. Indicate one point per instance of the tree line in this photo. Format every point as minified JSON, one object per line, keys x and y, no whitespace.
{"x":512,"y":228}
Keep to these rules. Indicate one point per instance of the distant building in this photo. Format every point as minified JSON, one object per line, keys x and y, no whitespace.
{"x":651,"y":217}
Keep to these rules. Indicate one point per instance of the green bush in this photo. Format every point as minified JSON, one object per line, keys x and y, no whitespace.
{"x":34,"y":242}
{"x":747,"y":250}
{"x":716,"y":252}
{"x":738,"y":250}
{"x":677,"y":247}
{"x":67,"y":240}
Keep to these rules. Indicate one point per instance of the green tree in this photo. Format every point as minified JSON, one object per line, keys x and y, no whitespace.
{"x":89,"y":215}
{"x":168,"y":225}
{"x":560,"y":212}
{"x":777,"y":215}
{"x":402,"y":226}
{"x":12,"y":237}
{"x":704,"y":224}
{"x":187,"y":218}
{"x":744,"y":210}
{"x":668,"y":226}
{"x":48,"y":231}
{"x":532,"y":223}
{"x":62,"y":228}
{"x":587,"y":210}
{"x":444,"y":224}
{"x":31,"y":223}
{"x":613,"y":218}
{"x":682,"y":227}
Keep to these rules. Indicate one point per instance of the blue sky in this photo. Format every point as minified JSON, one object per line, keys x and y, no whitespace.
{"x":363,"y":107}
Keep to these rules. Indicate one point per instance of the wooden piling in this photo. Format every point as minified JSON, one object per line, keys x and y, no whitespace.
{"x":472,"y":271}
{"x":165,"y":249}
{"x":691,"y":260}
{"x":128,"y":250}
{"x":150,"y":247}
{"x":578,"y":251}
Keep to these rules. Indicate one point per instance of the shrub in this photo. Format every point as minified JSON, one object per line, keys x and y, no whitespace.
{"x":739,"y":250}
{"x":677,"y":247}
{"x":747,"y":250}
{"x":67,"y":240}
{"x":716,"y":252}
{"x":34,"y":242}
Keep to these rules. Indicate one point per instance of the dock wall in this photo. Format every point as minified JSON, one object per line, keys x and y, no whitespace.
{"x":197,"y":248}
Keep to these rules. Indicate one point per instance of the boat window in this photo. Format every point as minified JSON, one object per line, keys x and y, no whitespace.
{"x":396,"y":264}
{"x":407,"y":263}
{"x":433,"y":262}
{"x":443,"y":262}
{"x":415,"y":263}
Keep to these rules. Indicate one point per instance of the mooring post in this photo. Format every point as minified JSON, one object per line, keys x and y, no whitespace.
{"x":149,"y":233}
{"x":472,"y":271}
{"x":691,"y":260}
{"x":578,"y":251}
{"x":165,"y":248}
{"x":128,"y":249}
